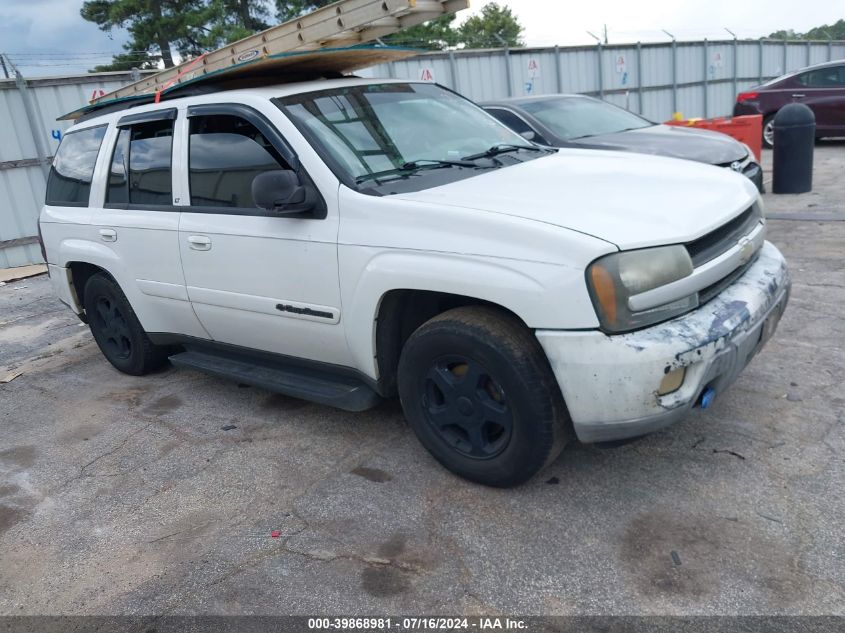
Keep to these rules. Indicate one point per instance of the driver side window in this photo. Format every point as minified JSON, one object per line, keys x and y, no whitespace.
{"x":226,"y":152}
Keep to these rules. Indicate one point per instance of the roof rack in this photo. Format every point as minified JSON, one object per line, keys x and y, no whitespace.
{"x":328,"y":40}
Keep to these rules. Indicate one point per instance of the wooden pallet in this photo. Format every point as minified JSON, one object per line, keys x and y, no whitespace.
{"x":338,"y":26}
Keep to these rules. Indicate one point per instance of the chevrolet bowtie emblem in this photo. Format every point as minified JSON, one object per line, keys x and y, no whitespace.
{"x":746,"y":250}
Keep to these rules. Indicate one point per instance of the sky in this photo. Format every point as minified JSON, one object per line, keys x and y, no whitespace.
{"x":48,"y":37}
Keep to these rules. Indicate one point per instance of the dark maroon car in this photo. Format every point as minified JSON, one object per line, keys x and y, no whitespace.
{"x":821,"y":87}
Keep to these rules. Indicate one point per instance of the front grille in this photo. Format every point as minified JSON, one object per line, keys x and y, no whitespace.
{"x":705,"y":294}
{"x":724,"y":238}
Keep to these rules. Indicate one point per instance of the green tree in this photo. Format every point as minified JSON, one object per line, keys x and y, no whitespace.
{"x":290,"y":9}
{"x":433,"y":35}
{"x":493,"y":27}
{"x":231,"y":20}
{"x":783,"y":34}
{"x":835,"y":31}
{"x":157,"y":27}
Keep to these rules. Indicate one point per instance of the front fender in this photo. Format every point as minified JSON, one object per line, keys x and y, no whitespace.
{"x":542,"y":295}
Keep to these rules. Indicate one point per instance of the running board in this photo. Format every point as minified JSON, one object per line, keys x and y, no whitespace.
{"x":342,"y":392}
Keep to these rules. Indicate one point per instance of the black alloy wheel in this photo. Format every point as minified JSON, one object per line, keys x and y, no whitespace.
{"x":467,"y":407}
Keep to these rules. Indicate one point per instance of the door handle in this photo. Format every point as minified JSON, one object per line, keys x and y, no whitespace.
{"x":798,"y":96}
{"x":108,"y":235}
{"x":199,"y":242}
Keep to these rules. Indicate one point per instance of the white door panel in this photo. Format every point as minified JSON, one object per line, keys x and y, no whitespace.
{"x":267,"y":283}
{"x":257,"y":281}
{"x":147,"y":244}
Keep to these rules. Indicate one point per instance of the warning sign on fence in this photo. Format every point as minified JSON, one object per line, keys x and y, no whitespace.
{"x":621,"y":64}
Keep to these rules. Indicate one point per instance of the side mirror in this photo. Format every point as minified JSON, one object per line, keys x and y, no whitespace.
{"x":528,"y":135}
{"x":280,"y":191}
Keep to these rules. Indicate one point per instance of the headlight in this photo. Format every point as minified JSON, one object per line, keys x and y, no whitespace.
{"x":615,"y":278}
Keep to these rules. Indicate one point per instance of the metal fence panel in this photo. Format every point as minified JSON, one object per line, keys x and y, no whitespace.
{"x":698,"y":79}
{"x":17,"y":141}
{"x":21,"y":196}
{"x":748,"y":59}
{"x":25,"y":151}
{"x":578,"y":70}
{"x":657,"y":65}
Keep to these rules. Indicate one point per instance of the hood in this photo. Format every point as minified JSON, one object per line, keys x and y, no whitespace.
{"x":703,"y":146}
{"x":628,"y":199}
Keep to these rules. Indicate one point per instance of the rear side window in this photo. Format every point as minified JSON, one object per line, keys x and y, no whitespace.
{"x":226,"y":153}
{"x":140,"y":171}
{"x":70,"y":178}
{"x":830,"y":77}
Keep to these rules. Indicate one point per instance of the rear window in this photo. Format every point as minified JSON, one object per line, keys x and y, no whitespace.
{"x":69,"y":183}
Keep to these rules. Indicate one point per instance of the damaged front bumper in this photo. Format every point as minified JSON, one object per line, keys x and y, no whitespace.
{"x":611,"y":383}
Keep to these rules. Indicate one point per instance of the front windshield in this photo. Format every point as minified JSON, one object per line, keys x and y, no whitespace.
{"x":379,"y":128}
{"x":578,"y":117}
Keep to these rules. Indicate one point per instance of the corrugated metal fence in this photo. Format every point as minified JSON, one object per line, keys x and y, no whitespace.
{"x":29,"y":136}
{"x":698,"y":79}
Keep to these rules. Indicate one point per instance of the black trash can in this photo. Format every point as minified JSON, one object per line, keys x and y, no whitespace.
{"x":795,"y":136}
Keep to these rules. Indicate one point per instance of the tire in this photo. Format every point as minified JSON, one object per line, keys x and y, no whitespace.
{"x":768,"y":131}
{"x":116,"y":329}
{"x":478,"y":391}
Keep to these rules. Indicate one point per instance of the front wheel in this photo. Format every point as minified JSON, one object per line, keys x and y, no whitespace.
{"x":116,"y":329}
{"x":478,"y":391}
{"x":769,"y":131}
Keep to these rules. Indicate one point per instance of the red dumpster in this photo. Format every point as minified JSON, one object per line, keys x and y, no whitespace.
{"x":746,"y":129}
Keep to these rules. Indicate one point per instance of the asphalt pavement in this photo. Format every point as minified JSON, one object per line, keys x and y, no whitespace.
{"x":180,"y":493}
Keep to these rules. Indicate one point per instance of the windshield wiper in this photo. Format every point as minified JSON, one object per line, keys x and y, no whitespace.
{"x":502,"y":148}
{"x":414,"y":166}
{"x":624,"y":129}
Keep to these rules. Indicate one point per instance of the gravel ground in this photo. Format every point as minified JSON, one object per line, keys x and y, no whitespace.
{"x":158,"y":495}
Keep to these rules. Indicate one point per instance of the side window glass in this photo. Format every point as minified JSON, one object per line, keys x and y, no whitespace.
{"x":140,"y":166}
{"x":226,"y":153}
{"x":70,"y":177}
{"x":511,"y":120}
{"x":118,"y":186}
{"x":150,"y":181}
{"x":830,"y":77}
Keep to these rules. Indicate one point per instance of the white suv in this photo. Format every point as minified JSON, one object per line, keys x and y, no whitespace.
{"x":350,"y":240}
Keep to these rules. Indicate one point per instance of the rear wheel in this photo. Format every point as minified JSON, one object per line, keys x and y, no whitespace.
{"x":478,"y":391}
{"x":769,"y":131}
{"x":116,"y":329}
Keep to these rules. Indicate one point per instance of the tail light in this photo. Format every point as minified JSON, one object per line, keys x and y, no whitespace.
{"x":747,"y":96}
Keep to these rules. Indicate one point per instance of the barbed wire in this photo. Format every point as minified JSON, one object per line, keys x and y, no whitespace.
{"x":67,"y":59}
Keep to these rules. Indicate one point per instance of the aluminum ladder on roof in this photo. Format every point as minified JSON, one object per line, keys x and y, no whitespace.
{"x":341,"y":24}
